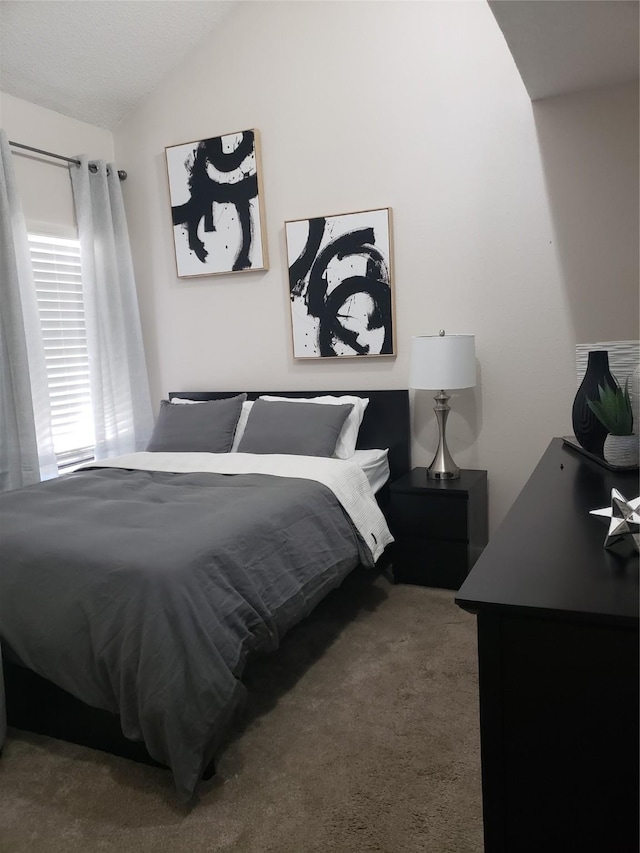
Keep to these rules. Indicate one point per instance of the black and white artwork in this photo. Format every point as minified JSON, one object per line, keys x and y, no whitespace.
{"x":216,"y":205}
{"x":340,"y":285}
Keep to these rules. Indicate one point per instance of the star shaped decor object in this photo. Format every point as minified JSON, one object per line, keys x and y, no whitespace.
{"x":625,"y":519}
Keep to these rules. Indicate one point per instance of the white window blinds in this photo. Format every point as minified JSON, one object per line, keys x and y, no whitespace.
{"x":56,"y":269}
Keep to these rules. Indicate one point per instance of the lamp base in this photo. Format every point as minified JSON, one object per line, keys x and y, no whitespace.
{"x":442,"y":475}
{"x":442,"y":467}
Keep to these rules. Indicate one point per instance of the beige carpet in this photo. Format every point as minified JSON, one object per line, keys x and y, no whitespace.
{"x":361,"y":734}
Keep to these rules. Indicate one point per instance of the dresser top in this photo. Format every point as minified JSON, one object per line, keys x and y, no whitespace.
{"x":548,"y":554}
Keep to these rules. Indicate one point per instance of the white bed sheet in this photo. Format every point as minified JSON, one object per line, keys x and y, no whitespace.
{"x":375,"y":464}
{"x":344,"y":477}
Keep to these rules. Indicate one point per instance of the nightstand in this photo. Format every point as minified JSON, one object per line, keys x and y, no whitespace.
{"x":440,"y":527}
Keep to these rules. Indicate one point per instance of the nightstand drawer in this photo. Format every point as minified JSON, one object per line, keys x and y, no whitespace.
{"x":429,"y":516}
{"x":441,"y":564}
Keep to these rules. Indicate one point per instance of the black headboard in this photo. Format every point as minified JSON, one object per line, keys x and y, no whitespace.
{"x":386,"y":420}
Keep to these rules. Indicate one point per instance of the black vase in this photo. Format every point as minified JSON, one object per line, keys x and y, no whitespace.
{"x":588,"y":430}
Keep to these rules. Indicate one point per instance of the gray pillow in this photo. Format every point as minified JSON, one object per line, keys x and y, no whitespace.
{"x":206,"y":428}
{"x":302,"y":429}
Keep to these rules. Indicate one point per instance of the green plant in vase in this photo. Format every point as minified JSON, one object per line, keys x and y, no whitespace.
{"x":615,"y":413}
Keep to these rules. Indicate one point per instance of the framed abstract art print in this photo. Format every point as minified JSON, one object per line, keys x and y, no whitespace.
{"x":340,"y":285}
{"x":215,"y":189}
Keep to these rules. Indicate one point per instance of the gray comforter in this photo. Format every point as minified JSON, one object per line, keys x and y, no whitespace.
{"x":143,"y":593}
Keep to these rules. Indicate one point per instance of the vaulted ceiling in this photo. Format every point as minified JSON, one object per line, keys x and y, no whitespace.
{"x":563,"y":46}
{"x":95,"y":60}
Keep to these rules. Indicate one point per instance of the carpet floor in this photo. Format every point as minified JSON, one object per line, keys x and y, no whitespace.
{"x":360,"y":734}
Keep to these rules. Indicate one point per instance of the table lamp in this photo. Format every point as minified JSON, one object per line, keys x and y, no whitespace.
{"x":442,"y":362}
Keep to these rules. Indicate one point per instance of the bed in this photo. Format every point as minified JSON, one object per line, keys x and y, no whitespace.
{"x":134,"y":591}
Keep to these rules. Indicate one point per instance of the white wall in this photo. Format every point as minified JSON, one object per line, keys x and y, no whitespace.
{"x":589,"y":147}
{"x":44,"y":183}
{"x":506,"y":216}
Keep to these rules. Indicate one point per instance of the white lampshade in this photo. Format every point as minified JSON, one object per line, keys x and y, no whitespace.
{"x":443,"y":362}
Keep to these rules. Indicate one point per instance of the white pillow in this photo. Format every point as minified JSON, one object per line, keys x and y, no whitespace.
{"x":346,"y":444}
{"x":241,"y":425}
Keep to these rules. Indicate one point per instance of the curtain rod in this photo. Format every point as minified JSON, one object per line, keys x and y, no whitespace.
{"x":121,"y":173}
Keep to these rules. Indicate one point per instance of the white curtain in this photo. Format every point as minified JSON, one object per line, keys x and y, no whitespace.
{"x":120,"y":396}
{"x":26,"y":444}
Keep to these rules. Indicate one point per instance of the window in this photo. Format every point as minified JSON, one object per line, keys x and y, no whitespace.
{"x":56,"y":269}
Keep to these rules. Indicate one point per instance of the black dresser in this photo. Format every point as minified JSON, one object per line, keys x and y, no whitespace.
{"x":558,"y":655}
